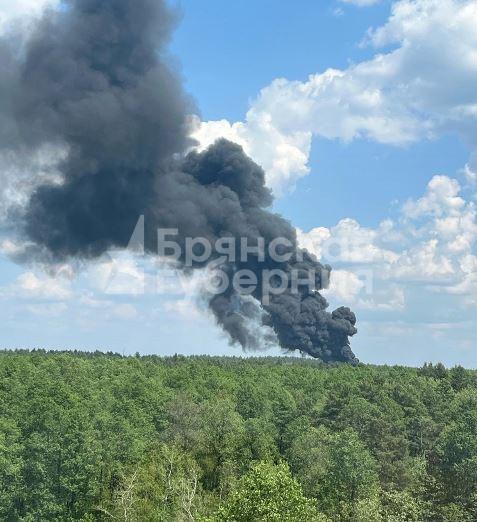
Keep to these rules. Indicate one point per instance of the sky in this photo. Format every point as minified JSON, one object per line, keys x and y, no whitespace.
{"x":364,"y":116}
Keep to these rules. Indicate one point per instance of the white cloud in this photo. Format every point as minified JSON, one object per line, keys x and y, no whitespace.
{"x":424,"y":87}
{"x":283,"y":156}
{"x":430,"y":247}
{"x":186,"y":308}
{"x":21,"y":172}
{"x":48,"y":310}
{"x":117,"y":274}
{"x":441,"y":198}
{"x":348,"y":242}
{"x":11,"y":249}
{"x":32,"y":286}
{"x":89,"y":300}
{"x":345,"y":285}
{"x":469,"y":174}
{"x":18,"y":11}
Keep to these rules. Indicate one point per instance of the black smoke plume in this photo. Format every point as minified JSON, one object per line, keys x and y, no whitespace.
{"x":95,"y":78}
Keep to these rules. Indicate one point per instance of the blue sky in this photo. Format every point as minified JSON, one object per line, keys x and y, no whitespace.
{"x":229,"y":50}
{"x":376,"y":159}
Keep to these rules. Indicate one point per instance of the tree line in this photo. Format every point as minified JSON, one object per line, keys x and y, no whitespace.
{"x":98,"y":437}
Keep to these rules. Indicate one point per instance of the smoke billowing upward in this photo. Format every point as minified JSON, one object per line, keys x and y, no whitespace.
{"x":95,"y":79}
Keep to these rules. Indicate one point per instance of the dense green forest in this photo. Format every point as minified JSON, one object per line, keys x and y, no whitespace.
{"x":103,"y":437}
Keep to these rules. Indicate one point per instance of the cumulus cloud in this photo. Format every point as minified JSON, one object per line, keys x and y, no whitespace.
{"x":418,"y":90}
{"x":430,"y":247}
{"x":345,"y":285}
{"x":118,"y":273}
{"x":283,"y":156}
{"x":40,"y":287}
{"x":425,"y":86}
{"x":19,"y":11}
{"x":21,"y":172}
{"x":469,"y":174}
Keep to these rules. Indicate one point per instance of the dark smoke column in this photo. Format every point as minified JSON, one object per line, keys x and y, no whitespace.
{"x":96,"y":79}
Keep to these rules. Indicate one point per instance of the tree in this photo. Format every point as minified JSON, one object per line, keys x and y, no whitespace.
{"x":401,"y":506}
{"x":335,"y":468}
{"x":268,"y":493}
{"x":456,"y":452}
{"x":10,"y":469}
{"x":164,"y":487}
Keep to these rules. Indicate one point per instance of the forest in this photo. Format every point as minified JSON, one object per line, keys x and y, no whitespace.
{"x":98,"y":437}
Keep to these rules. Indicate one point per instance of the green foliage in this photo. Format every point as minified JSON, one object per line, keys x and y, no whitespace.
{"x":401,"y":506}
{"x":97,"y":437}
{"x":456,"y":452}
{"x":267,"y":493}
{"x":335,"y":468}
